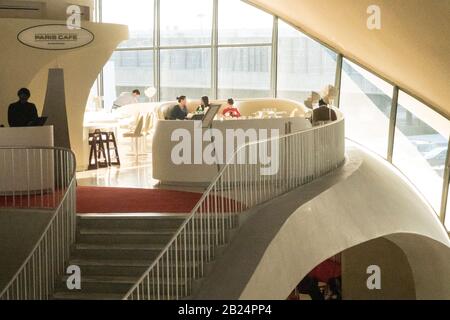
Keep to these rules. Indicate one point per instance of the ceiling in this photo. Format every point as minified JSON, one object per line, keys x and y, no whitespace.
{"x":411,"y":50}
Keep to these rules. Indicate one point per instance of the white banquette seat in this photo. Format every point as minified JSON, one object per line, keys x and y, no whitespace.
{"x":291,"y":119}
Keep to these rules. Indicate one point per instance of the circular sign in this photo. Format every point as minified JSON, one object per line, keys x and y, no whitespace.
{"x":55,"y":37}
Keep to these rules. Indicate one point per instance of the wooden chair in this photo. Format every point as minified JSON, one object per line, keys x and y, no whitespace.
{"x":97,"y":156}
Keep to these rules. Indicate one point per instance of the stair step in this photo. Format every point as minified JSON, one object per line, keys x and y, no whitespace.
{"x":119,"y":246}
{"x":77,"y":295}
{"x":112,"y":236}
{"x":126,"y":232}
{"x":112,"y":267}
{"x":129,"y":246}
{"x":153,"y":222}
{"x":116,"y":251}
{"x":120,"y":285}
{"x":111,"y":263}
{"x":122,"y":279}
{"x":121,"y":251}
{"x":127,"y":236}
{"x":95,"y":296}
{"x":106,"y":279}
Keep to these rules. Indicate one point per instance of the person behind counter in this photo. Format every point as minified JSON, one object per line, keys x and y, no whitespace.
{"x":22,"y":113}
{"x":205,"y":104}
{"x":179,"y":111}
{"x":230,"y":110}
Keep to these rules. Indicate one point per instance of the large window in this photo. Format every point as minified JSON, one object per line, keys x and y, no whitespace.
{"x":244,"y":72}
{"x":126,"y":71}
{"x":303,"y":64}
{"x":186,"y":23}
{"x":366,"y":101}
{"x":185,"y":72}
{"x":241,"y":23}
{"x":420,"y":149}
{"x":136,"y":14}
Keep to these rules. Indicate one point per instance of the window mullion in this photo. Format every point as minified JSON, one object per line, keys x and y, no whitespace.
{"x":392,"y":124}
{"x":157,"y":50}
{"x":274,"y":61}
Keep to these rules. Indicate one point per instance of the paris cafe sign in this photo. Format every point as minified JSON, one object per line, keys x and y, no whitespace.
{"x":55,"y":37}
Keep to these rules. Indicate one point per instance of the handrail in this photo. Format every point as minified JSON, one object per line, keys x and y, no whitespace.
{"x":183,"y":259}
{"x":54,"y":244}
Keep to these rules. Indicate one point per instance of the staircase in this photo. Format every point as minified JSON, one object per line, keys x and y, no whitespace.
{"x":113,"y":252}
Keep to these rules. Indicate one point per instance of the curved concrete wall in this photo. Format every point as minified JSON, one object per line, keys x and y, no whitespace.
{"x":24,"y":66}
{"x":364,"y":200}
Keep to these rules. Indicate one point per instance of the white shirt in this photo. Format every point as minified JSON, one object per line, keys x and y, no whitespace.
{"x":125,"y":98}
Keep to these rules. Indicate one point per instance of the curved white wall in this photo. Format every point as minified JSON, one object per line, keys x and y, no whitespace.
{"x":366,"y":199}
{"x":24,"y":66}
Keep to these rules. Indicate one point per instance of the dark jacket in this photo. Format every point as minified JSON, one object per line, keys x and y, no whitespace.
{"x":324,"y":114}
{"x":21,"y":114}
{"x":177,"y":113}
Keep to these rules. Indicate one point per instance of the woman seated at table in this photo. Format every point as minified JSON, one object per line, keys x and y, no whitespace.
{"x":204,"y":104}
{"x":230,"y":110}
{"x":179,"y":111}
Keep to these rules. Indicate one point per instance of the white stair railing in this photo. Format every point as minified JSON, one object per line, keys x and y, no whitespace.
{"x":38,"y":178}
{"x":303,"y":157}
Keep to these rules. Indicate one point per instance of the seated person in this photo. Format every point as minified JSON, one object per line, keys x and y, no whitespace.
{"x":205,"y":104}
{"x":22,"y":113}
{"x":230,"y":110}
{"x":323,"y":113}
{"x":179,"y":111}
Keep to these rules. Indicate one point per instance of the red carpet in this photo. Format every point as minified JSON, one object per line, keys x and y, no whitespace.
{"x":326,"y":271}
{"x":120,"y":200}
{"x":124,"y":200}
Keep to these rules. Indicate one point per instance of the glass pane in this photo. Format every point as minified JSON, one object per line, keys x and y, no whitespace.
{"x":244,"y":72}
{"x":138,"y":15}
{"x":242,"y":23}
{"x":126,"y":71}
{"x":185,"y":72}
{"x":186,"y":22}
{"x":421,"y":142}
{"x":366,"y":101}
{"x":304,"y":65}
{"x":447,"y":215}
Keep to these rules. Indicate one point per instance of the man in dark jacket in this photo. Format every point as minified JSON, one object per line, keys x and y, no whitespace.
{"x":22,"y":113}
